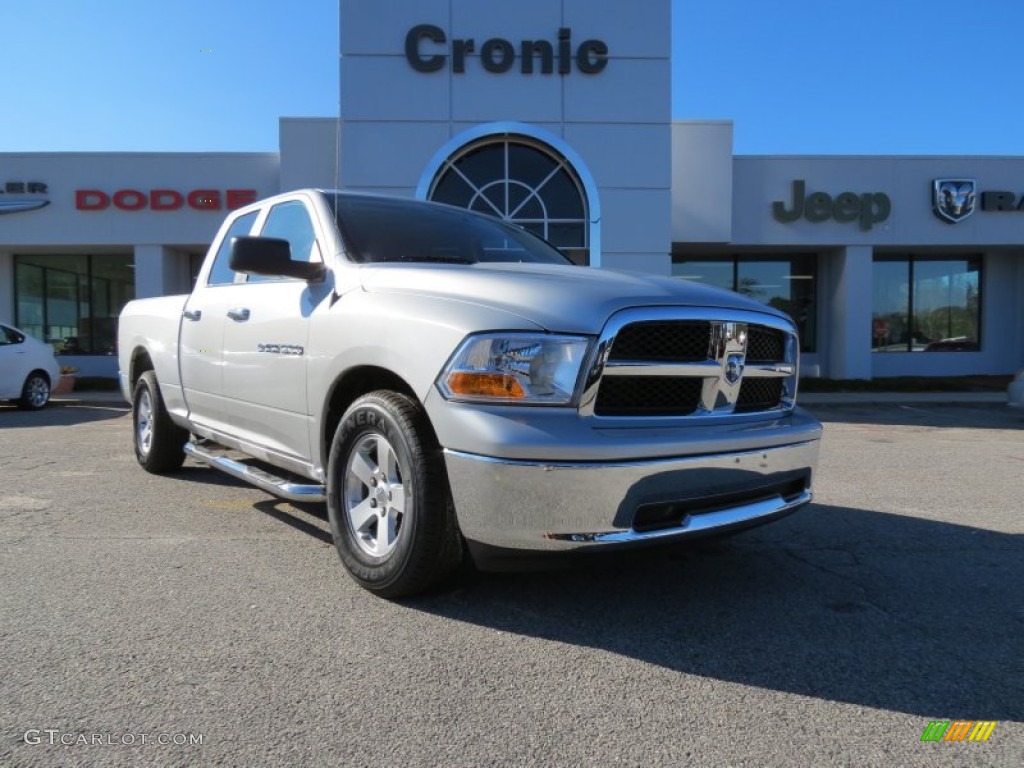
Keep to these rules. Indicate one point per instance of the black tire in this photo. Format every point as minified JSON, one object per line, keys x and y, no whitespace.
{"x":35,"y":392}
{"x":389,"y":551}
{"x":159,"y":442}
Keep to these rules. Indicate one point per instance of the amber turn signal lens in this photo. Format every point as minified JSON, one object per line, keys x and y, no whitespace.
{"x":485,"y":385}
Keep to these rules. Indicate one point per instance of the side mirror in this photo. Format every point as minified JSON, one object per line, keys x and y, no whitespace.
{"x":270,"y":256}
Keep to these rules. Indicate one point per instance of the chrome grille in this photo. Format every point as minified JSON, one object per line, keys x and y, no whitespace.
{"x":691,"y":364}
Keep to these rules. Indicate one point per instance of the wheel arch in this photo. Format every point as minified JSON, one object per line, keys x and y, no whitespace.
{"x":43,"y":371}
{"x":140,"y":363}
{"x":350,"y":385}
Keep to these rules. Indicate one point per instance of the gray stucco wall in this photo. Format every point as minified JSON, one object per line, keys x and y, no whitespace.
{"x":395,"y":119}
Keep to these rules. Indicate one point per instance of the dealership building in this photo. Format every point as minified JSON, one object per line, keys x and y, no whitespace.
{"x":556,"y":115}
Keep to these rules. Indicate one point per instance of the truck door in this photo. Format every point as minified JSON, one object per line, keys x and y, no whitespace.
{"x":201,"y":340}
{"x":265,"y":339}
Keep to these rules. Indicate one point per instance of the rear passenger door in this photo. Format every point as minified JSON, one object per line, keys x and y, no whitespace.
{"x":201,"y":340}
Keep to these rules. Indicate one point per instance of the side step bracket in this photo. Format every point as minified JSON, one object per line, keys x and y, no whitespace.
{"x":262,"y":479}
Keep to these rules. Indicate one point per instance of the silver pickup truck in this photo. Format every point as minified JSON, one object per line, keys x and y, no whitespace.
{"x":453,"y":387}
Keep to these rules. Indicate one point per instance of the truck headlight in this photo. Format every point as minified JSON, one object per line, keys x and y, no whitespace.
{"x":526,"y":369}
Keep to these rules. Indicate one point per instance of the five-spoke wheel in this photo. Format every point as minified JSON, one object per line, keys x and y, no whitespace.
{"x":374,"y":495}
{"x":387,"y":497}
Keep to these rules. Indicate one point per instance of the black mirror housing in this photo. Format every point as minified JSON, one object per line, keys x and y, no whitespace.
{"x":270,"y":256}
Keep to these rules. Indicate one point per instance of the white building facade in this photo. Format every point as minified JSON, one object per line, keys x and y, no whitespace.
{"x":554,"y":114}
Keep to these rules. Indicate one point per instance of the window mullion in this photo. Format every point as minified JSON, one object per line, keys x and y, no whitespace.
{"x":910,"y":303}
{"x":92,"y":304}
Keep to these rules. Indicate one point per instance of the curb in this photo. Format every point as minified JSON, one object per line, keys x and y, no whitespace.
{"x":880,"y":398}
{"x":90,"y":398}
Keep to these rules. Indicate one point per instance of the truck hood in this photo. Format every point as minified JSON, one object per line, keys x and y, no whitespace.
{"x":559,"y":298}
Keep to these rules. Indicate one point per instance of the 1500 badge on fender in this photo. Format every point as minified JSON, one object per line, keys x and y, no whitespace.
{"x":281,"y":349}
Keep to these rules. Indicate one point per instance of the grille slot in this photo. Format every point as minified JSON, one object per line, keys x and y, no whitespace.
{"x":758,"y":395}
{"x":681,"y":341}
{"x":765,"y":345}
{"x":648,"y":396}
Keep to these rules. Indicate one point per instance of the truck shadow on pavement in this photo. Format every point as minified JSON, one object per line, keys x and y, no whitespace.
{"x":290,"y":513}
{"x":843,"y":604}
{"x":58,"y":416}
{"x":279,"y":510}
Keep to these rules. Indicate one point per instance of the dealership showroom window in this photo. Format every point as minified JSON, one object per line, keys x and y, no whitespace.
{"x":73,"y":301}
{"x":926,"y":304}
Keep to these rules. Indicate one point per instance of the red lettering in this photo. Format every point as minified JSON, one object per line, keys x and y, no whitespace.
{"x":91,"y":200}
{"x":165,"y":200}
{"x":129,"y":200}
{"x":240,"y":197}
{"x":204,"y":199}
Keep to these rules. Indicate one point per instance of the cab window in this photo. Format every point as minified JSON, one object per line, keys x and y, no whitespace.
{"x":290,"y":221}
{"x":221,"y":272}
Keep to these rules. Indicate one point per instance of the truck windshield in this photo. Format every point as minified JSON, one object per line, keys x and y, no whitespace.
{"x":381,"y":229}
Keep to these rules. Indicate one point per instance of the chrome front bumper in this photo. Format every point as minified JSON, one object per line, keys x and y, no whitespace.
{"x":558,"y":507}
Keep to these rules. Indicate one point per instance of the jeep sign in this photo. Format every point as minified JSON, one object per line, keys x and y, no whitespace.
{"x":869,"y":208}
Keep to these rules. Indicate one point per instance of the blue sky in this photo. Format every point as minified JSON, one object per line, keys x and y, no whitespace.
{"x":864,"y":77}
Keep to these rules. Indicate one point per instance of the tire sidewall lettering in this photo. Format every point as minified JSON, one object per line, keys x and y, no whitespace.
{"x":364,"y":417}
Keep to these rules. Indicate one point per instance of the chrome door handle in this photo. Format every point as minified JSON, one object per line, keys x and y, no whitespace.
{"x":192,"y":314}
{"x":239,"y":314}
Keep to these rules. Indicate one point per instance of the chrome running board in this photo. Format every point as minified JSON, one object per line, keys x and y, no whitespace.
{"x":262,"y":479}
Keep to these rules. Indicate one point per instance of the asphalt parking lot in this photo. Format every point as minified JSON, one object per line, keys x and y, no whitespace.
{"x":142,"y":614}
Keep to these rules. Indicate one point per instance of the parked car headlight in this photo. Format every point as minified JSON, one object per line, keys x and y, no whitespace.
{"x":525,"y":369}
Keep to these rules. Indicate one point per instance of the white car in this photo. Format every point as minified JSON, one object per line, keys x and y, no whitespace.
{"x":28,"y":368}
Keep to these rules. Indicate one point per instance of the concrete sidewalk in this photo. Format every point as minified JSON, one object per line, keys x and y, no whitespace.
{"x":808,"y":398}
{"x":876,"y":398}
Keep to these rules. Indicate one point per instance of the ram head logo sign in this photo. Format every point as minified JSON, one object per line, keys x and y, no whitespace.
{"x":953,"y":199}
{"x":734,"y":368}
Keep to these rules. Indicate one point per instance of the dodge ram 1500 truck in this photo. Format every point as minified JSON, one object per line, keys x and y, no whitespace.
{"x":452,"y":386}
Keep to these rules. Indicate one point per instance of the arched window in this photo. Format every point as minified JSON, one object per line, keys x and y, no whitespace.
{"x":521,"y":181}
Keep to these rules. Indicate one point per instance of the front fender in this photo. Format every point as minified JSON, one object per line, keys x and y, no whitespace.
{"x":410,"y":336}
